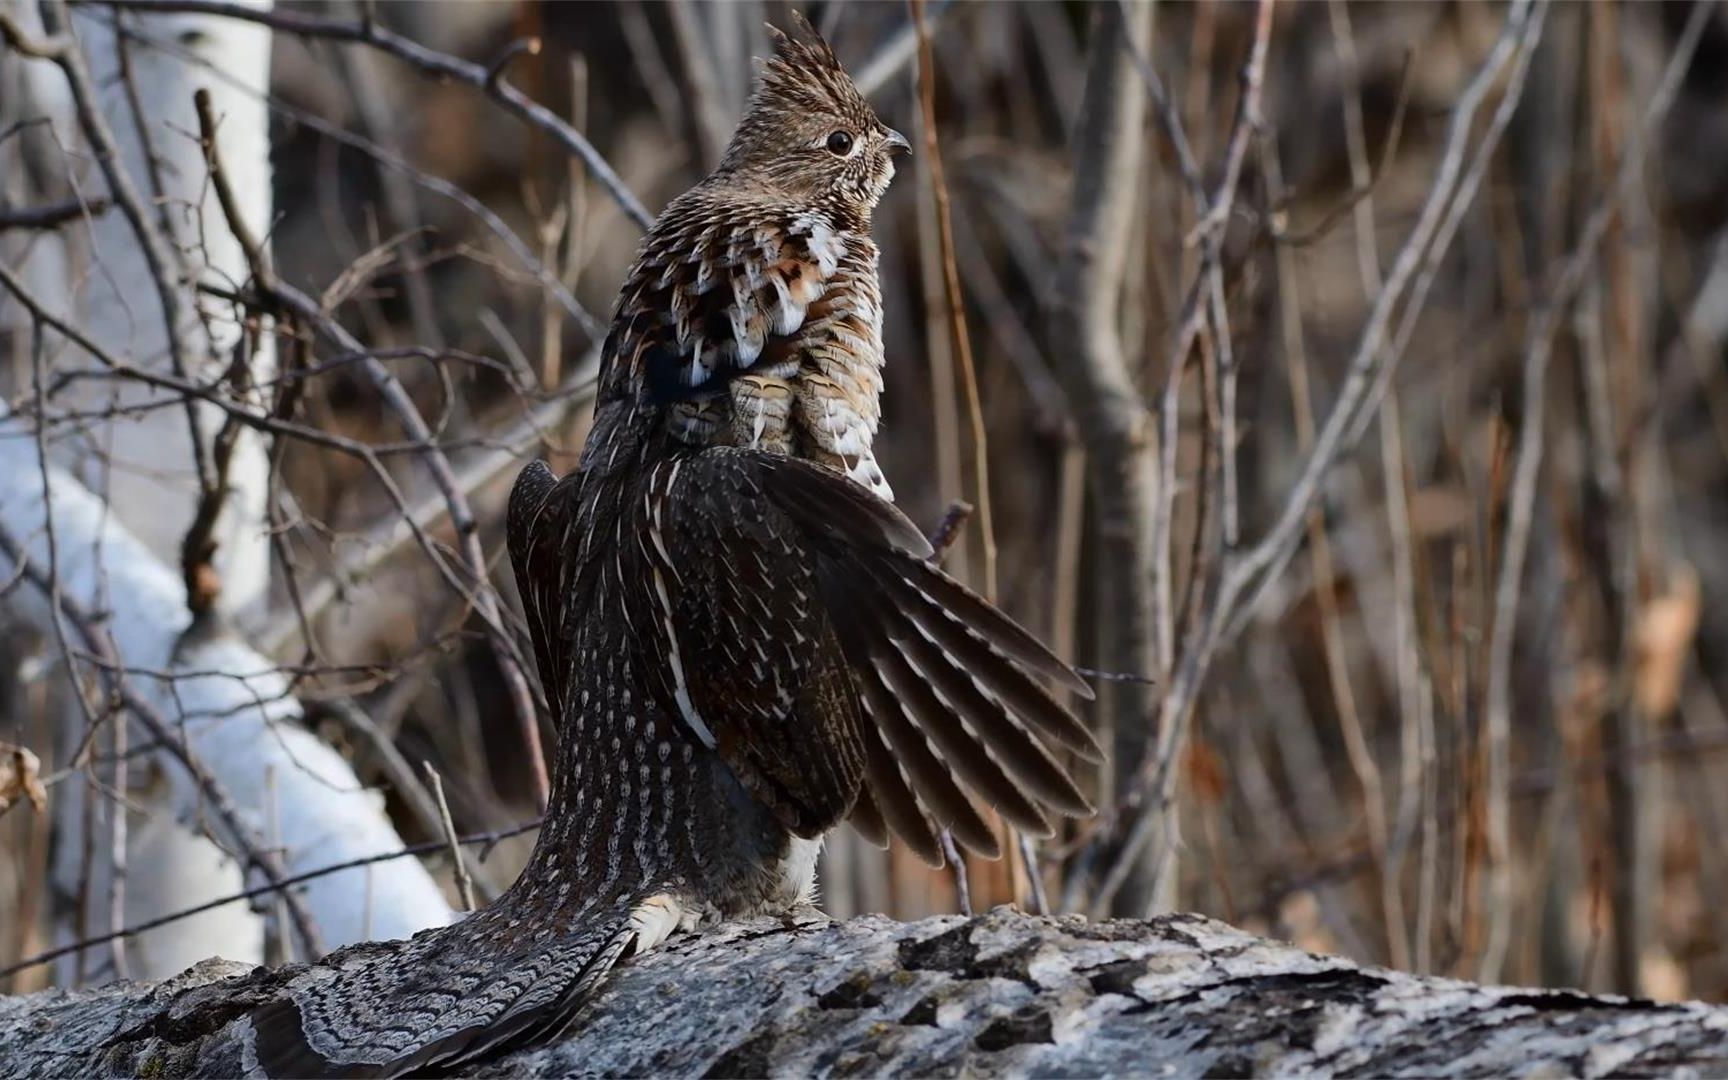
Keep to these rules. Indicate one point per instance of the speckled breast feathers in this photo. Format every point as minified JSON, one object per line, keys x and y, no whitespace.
{"x":753,"y":315}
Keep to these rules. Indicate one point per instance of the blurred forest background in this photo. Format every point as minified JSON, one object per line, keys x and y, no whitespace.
{"x":1455,"y":705}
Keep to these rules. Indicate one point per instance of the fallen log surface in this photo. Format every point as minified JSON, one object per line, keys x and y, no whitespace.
{"x":1001,"y":994}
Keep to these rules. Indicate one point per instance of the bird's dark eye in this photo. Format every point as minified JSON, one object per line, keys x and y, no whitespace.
{"x":840,"y":143}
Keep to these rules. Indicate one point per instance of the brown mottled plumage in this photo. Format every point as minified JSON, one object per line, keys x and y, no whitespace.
{"x":753,"y":309}
{"x":742,"y":649}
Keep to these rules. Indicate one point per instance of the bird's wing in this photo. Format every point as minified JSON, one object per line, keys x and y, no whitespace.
{"x":803,"y":633}
{"x":950,"y":686}
{"x":534,"y":531}
{"x":750,"y":660}
{"x":715,"y":294}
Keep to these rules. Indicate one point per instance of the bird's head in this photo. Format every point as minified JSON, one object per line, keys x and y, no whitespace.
{"x":810,"y":133}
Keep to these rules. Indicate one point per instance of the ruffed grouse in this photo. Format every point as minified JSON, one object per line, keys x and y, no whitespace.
{"x":742,"y":649}
{"x":753,"y":310}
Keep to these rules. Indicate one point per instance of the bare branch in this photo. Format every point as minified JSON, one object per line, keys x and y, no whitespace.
{"x":1109,"y":419}
{"x":96,"y":639}
{"x":485,"y":840}
{"x":53,"y":215}
{"x":1149,"y":798}
{"x":1522,"y":499}
{"x":959,"y":336}
{"x":464,"y":883}
{"x":368,"y":32}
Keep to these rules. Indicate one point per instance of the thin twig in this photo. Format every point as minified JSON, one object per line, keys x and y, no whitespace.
{"x":479,"y":590}
{"x":1392,"y":470}
{"x":92,"y":722}
{"x":956,"y":304}
{"x":942,"y":538}
{"x":464,"y":883}
{"x":97,"y":641}
{"x":153,"y":244}
{"x":370,"y":33}
{"x":1359,"y":190}
{"x":53,"y":215}
{"x":1325,"y":589}
{"x":1249,"y":571}
{"x":1522,"y":498}
{"x":199,"y":547}
{"x":388,"y":540}
{"x":65,"y":54}
{"x":1204,"y":303}
{"x":486,"y":839}
{"x":1612,"y":493}
{"x":370,"y":456}
{"x":397,"y":165}
{"x":1169,"y":118}
{"x":1109,"y":417}
{"x":398,"y":773}
{"x":495,"y":70}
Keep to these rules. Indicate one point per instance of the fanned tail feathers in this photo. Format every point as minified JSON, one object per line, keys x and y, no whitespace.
{"x":445,"y":999}
{"x":575,"y":970}
{"x":950,"y":685}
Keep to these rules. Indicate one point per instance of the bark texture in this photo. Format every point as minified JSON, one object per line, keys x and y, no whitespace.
{"x":1002,"y":994}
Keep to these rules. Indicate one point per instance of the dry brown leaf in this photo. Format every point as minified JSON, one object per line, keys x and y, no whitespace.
{"x":1663,"y":977}
{"x":1206,"y":775}
{"x":1440,"y":511}
{"x":1666,"y":628}
{"x":20,"y":775}
{"x":1303,"y":924}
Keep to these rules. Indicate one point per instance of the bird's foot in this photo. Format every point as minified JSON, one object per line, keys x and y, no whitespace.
{"x":658,"y":918}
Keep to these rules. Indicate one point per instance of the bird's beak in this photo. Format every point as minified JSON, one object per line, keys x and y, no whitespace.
{"x":897,"y":142}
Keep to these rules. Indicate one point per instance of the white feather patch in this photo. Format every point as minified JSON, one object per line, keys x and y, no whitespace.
{"x":680,"y":687}
{"x":798,"y":869}
{"x":790,"y":314}
{"x":826,"y":246}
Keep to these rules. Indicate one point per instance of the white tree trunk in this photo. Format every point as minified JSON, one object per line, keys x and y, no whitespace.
{"x":144,"y":463}
{"x":237,"y":714}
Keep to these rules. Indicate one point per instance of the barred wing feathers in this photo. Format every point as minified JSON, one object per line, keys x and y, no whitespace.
{"x":538,"y":567}
{"x":759,"y":676}
{"x":943,"y":696}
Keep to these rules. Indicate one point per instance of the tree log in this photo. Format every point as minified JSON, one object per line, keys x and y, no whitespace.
{"x":997,"y":994}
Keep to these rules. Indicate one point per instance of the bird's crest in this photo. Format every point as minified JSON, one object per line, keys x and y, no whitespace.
{"x":805,"y":76}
